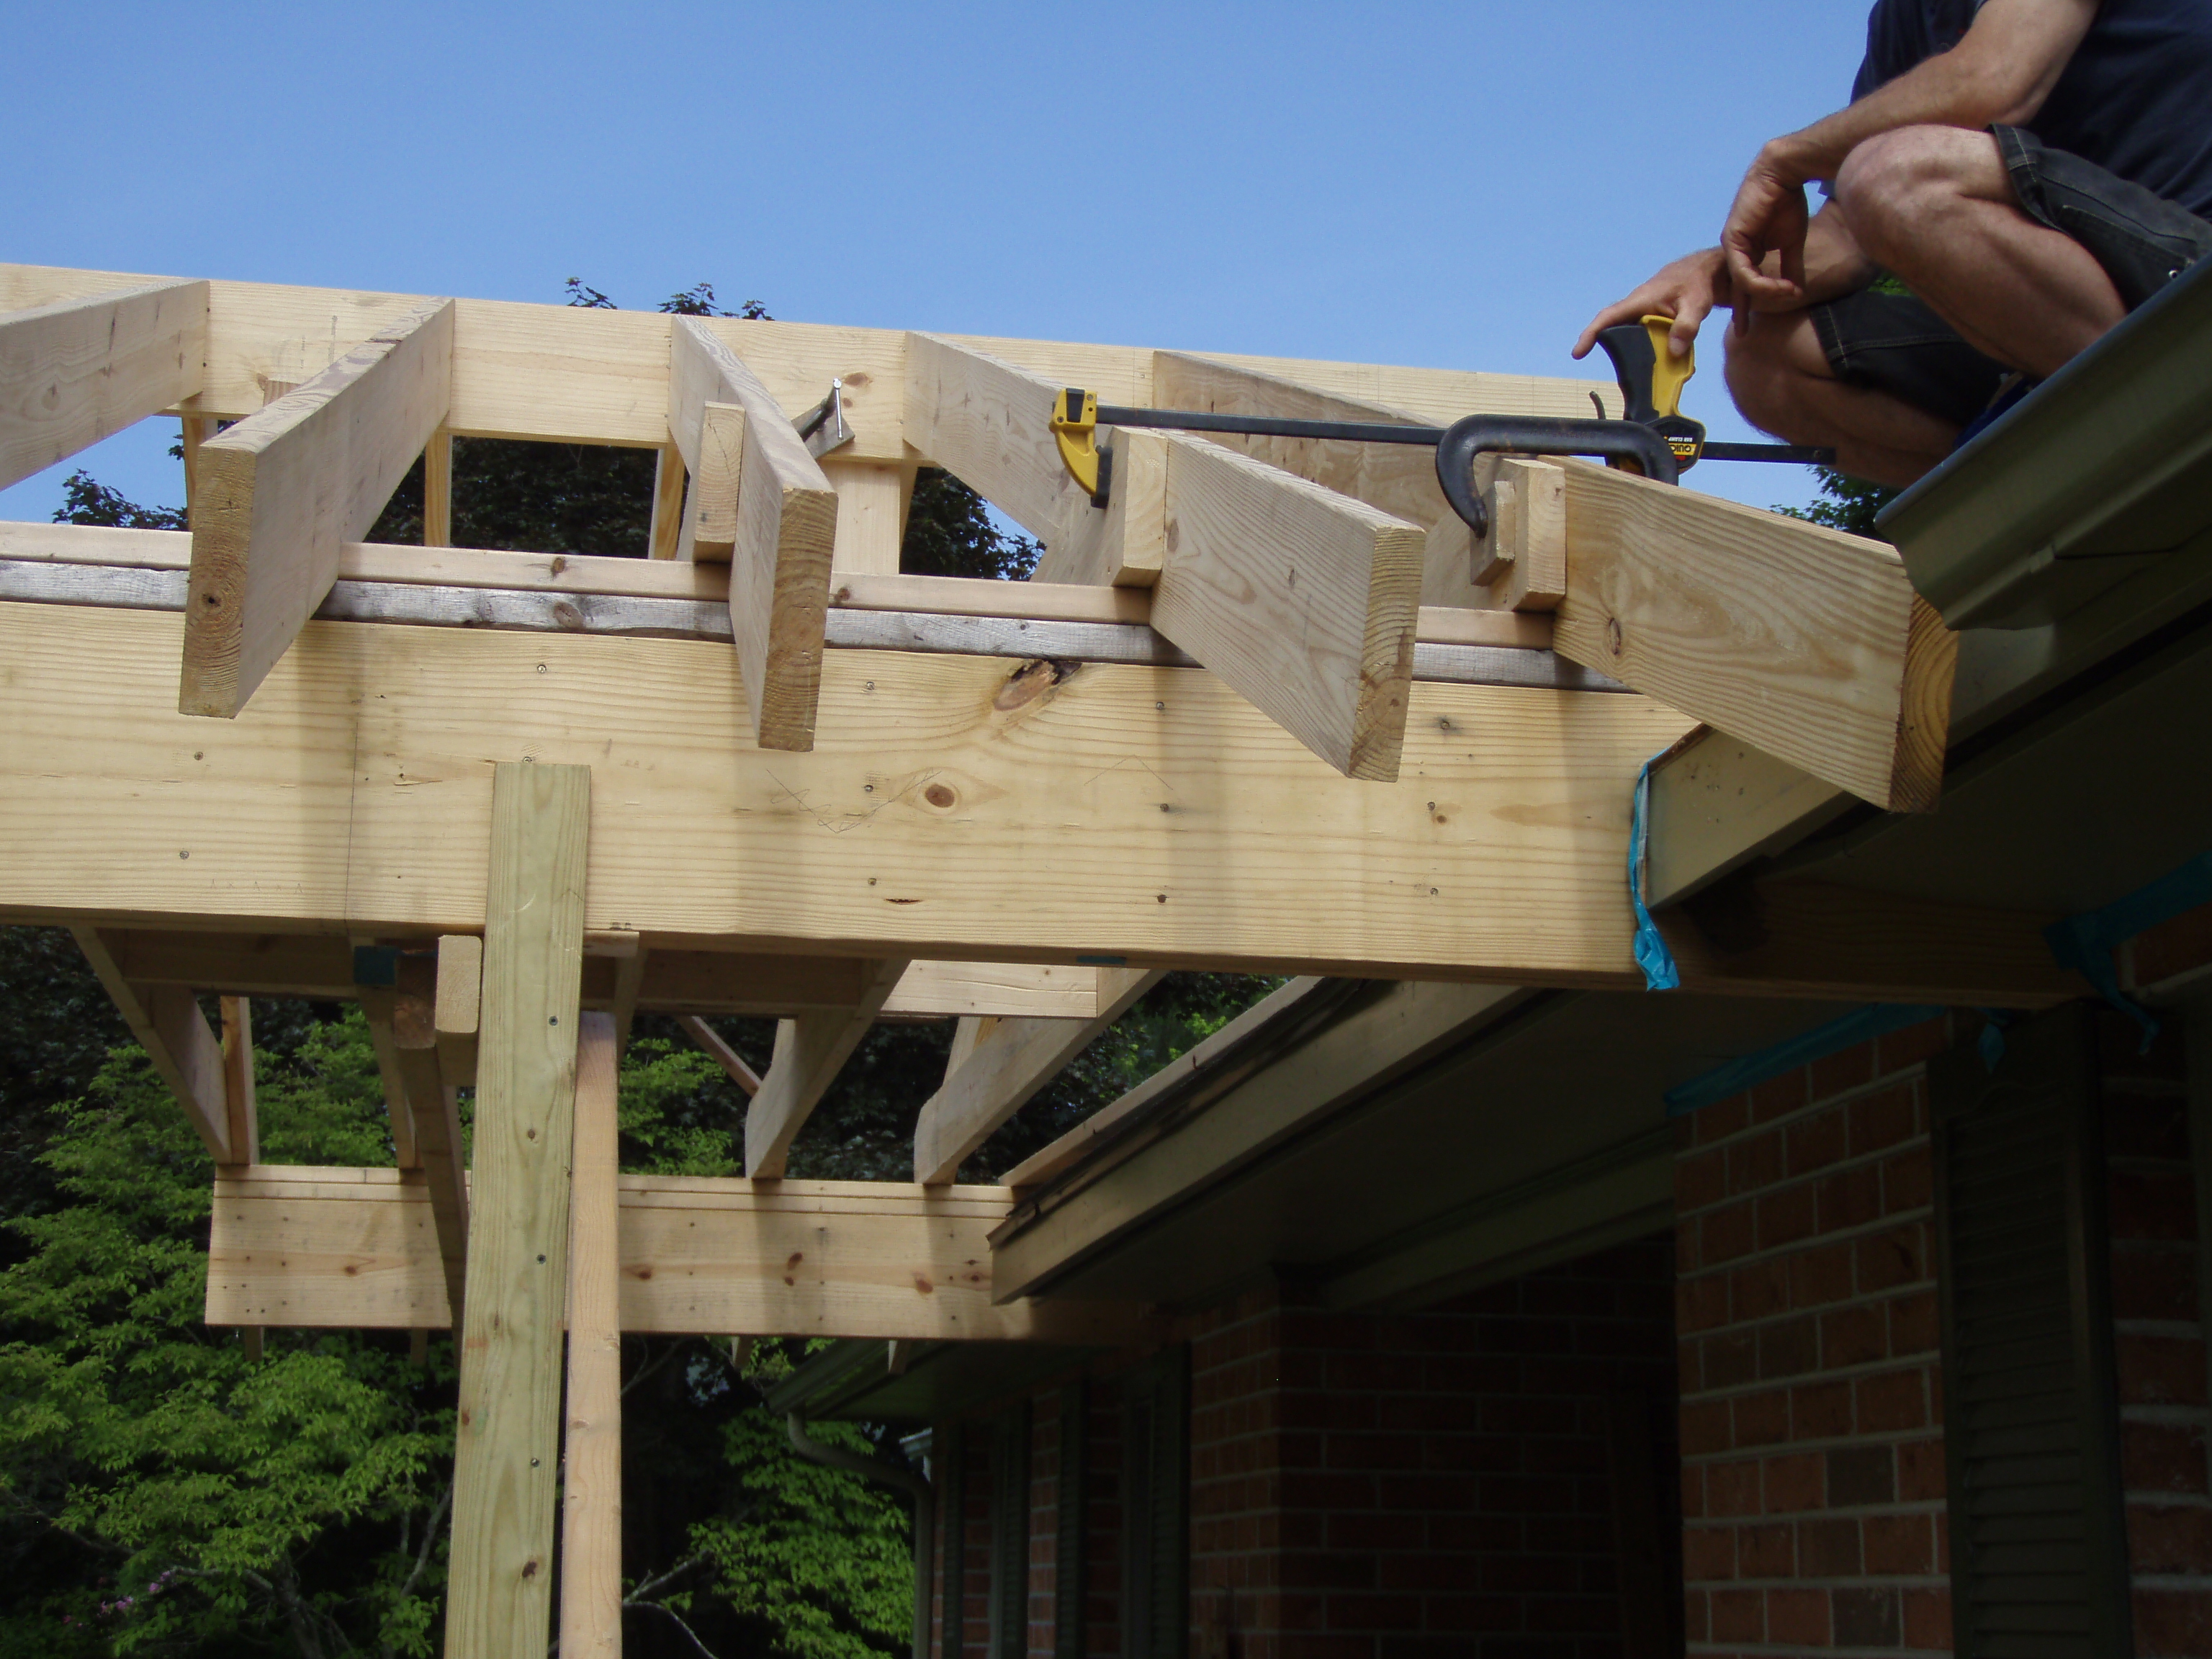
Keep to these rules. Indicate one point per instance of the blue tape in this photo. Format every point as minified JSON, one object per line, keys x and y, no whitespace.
{"x":1877,"y":1019}
{"x":1652,"y":955}
{"x":2085,"y":943}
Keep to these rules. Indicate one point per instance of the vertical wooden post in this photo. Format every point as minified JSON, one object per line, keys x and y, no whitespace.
{"x":872,"y":506}
{"x":663,"y":539}
{"x":197,"y":430}
{"x":438,"y":490}
{"x":591,"y":1496}
{"x":507,"y":1440}
{"x":243,"y":1122}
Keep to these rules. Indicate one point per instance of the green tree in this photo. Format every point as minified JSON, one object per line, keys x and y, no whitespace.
{"x":1849,"y":503}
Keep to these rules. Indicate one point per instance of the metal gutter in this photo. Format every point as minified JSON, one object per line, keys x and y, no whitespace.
{"x":2105,"y":469}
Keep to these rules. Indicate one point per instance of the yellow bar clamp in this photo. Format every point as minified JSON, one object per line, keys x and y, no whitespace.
{"x":1075,"y":428}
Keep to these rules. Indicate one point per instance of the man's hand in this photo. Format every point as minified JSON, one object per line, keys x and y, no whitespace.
{"x":1686,"y":290}
{"x":1768,"y":216}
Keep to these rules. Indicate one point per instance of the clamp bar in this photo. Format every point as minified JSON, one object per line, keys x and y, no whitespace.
{"x":1539,"y":435}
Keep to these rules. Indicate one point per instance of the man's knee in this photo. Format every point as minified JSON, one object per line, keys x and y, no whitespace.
{"x":1766,"y":373}
{"x":1893,"y":186}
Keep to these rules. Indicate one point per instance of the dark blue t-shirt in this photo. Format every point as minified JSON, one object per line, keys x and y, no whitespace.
{"x":2136,"y":97}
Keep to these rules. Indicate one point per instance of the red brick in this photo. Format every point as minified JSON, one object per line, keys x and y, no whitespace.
{"x":1885,"y":1118}
{"x":2147,"y":1127}
{"x":1908,"y":1181}
{"x":2172,"y":1624}
{"x":1787,"y":1217}
{"x":1793,"y":1484}
{"x":2153,"y":1204}
{"x":1928,"y":1620}
{"x":1915,"y":1325}
{"x":1849,"y":1197}
{"x":1892,"y":1259}
{"x":2160,"y":1371}
{"x":1762,"y":1418}
{"x":2163,"y":1457}
{"x":1732,"y":1489}
{"x":1724,"y":1235}
{"x":1708,"y":1553}
{"x":1851,"y":1068}
{"x":1817,"y":1141}
{"x":1820,"y":1275}
{"x":1892,"y":1401}
{"x":1759,"y":1290}
{"x":1799,"y":1616}
{"x":1920,"y":1475}
{"x":1899,"y":1545}
{"x":1778,"y":1096}
{"x":1821,"y":1411}
{"x":2154,"y":1281}
{"x":1854,"y":1336}
{"x":1722,"y":1119}
{"x":1755,"y":1163}
{"x":1913,"y":1046}
{"x":1700,"y":1179}
{"x":1701,"y":1305}
{"x":2164,"y":1538}
{"x":1737,"y":1615}
{"x":1789,"y":1348}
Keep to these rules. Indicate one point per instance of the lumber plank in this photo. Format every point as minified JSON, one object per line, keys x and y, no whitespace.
{"x":989,"y":424}
{"x":1125,"y":546}
{"x":381,"y":1009}
{"x":591,"y":1455}
{"x":1001,"y":1068}
{"x":507,"y":1442}
{"x":1400,"y":479}
{"x":1302,"y":600}
{"x":437,"y":492}
{"x":455,"y":1015}
{"x":711,"y":1043}
{"x":280,"y":492}
{"x":1789,"y":635}
{"x":662,"y":531}
{"x":1521,"y":563}
{"x":79,"y":370}
{"x":350,"y":1249}
{"x":786,"y":523}
{"x":242,"y":1118}
{"x":1784,"y":937}
{"x":810,"y":1051}
{"x":872,"y":506}
{"x":997,"y":988}
{"x":186,"y":1054}
{"x":1268,"y":860}
{"x":709,"y":532}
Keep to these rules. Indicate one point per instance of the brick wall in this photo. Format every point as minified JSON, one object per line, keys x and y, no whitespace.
{"x":1371,"y":1487}
{"x":1813,"y":1478}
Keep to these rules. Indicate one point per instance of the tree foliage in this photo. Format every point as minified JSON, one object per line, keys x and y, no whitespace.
{"x":1849,"y":503}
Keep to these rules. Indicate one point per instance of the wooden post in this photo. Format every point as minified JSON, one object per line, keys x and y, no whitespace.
{"x":507,"y":1440}
{"x":438,"y":490}
{"x":661,"y":537}
{"x":591,"y":1496}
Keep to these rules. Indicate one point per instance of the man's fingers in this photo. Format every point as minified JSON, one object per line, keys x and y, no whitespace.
{"x":1617,"y":312}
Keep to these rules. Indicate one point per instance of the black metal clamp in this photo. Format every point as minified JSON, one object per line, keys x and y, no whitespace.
{"x":1614,"y":441}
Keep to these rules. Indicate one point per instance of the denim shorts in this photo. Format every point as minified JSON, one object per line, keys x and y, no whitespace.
{"x":1891,"y":340}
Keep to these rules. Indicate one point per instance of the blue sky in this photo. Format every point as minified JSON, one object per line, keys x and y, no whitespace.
{"x":1453,"y":184}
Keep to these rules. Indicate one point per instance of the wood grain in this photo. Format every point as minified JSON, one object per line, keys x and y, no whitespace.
{"x":591,"y":1452}
{"x":79,"y":370}
{"x":507,"y":1440}
{"x":810,"y":1051}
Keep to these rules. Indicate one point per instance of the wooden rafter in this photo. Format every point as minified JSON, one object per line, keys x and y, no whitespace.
{"x":810,"y":1051}
{"x":185,"y":1052}
{"x":78,"y":370}
{"x":280,"y":492}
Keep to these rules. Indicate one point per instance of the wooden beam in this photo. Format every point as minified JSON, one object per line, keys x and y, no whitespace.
{"x":988,"y":423}
{"x":1784,"y":937}
{"x":810,"y":1052}
{"x":871,"y":504}
{"x":437,"y":492}
{"x":457,"y":1012}
{"x":663,"y":534}
{"x":591,"y":1456}
{"x":242,"y":1121}
{"x":1499,"y":856}
{"x":1002,"y":1068}
{"x":786,"y":525}
{"x":1522,"y":561}
{"x":1302,"y":600}
{"x":566,"y":375}
{"x":1400,"y":479}
{"x":1796,"y":638}
{"x":1107,"y":1198}
{"x":629,"y":981}
{"x":380,"y":1008}
{"x":186,"y":1054}
{"x":1001,"y":988}
{"x":709,"y":533}
{"x":347,"y":1249}
{"x":281,"y":491}
{"x":711,"y":1043}
{"x":508,"y":1442}
{"x":1126,"y":546}
{"x":79,"y":370}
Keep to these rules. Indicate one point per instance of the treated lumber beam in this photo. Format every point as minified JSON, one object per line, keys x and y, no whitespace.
{"x":1141,"y":1177}
{"x":709,"y":530}
{"x":1300,"y":598}
{"x":591,"y":1453}
{"x":711,"y":1043}
{"x":456,"y":1014}
{"x":186,"y":1054}
{"x":567,"y":374}
{"x":988,"y":423}
{"x":998,"y":988}
{"x":1783,"y":936}
{"x":1522,"y":561}
{"x":872,"y":506}
{"x":810,"y":1052}
{"x":381,"y":1009}
{"x":1800,"y":639}
{"x":997,"y":1069}
{"x":664,"y":532}
{"x":79,"y":370}
{"x":1400,"y":479}
{"x":1126,"y":546}
{"x":280,"y":492}
{"x":1500,"y":856}
{"x":437,"y":492}
{"x":344,"y":1249}
{"x":507,"y":1450}
{"x":242,"y":1119}
{"x":786,"y":523}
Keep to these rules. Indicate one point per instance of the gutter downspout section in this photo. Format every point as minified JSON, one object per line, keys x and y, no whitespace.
{"x":836,"y":1457}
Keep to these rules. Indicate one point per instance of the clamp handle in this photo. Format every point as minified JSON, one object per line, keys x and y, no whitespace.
{"x":1075,"y":428}
{"x":1652,"y":379}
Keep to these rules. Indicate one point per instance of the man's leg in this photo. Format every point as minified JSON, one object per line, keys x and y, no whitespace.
{"x":1936,"y":206}
{"x":1780,"y":378}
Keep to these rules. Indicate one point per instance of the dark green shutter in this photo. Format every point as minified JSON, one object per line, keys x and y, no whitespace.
{"x":1069,"y":1578}
{"x":2039,"y":1554}
{"x":1010,"y":1532}
{"x":952,"y":1498}
{"x":1155,"y":1507}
